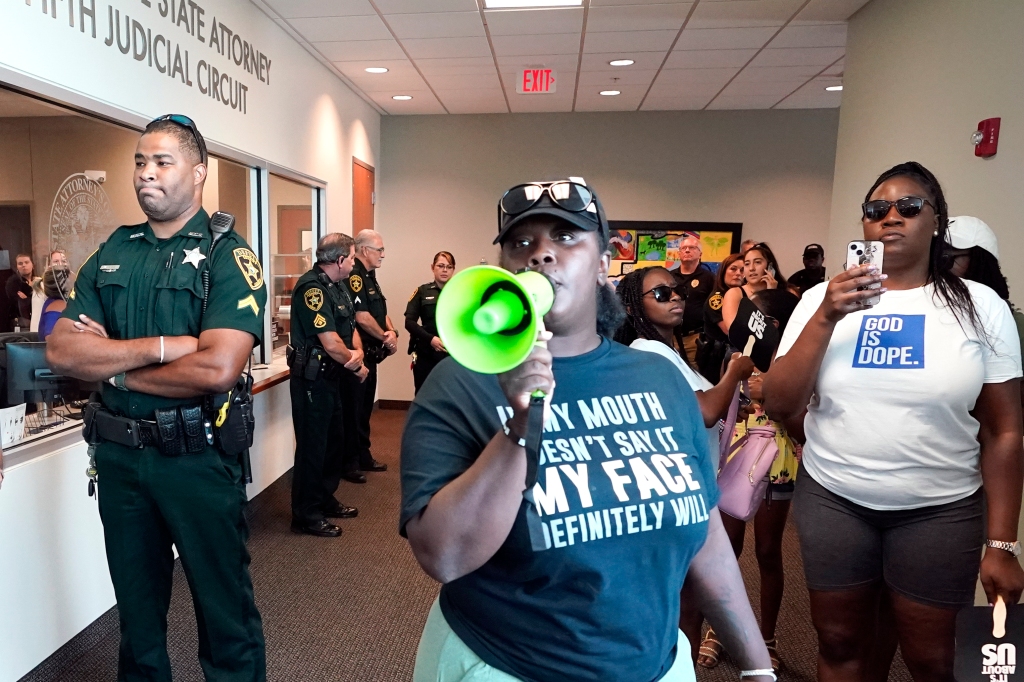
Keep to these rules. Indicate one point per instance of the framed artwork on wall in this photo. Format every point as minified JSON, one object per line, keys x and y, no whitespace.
{"x":648,"y":243}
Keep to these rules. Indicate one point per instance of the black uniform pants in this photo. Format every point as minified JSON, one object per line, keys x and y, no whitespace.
{"x":368,"y":394}
{"x":351,"y":391}
{"x":319,"y":438}
{"x":147,"y":501}
{"x":426,"y":361}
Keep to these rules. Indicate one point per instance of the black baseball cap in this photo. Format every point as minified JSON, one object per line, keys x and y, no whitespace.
{"x":814,"y":250}
{"x":569,"y":199}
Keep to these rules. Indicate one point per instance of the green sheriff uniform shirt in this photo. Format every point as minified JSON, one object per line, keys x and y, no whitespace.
{"x":318,"y":306}
{"x":422,"y":306}
{"x":367,"y":297}
{"x":139,"y":286}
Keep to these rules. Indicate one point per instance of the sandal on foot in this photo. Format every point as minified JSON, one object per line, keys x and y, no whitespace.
{"x":710,"y":650}
{"x":773,"y":652}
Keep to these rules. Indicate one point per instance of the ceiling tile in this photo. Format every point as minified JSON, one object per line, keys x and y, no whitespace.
{"x":820,"y":35}
{"x":476,"y":107}
{"x":743,"y":102}
{"x":540,"y":103}
{"x":637,"y":18}
{"x":630,"y":41}
{"x":424,"y":104}
{"x":418,"y":6}
{"x":393,"y":85}
{"x":465,"y":82}
{"x":558,"y":44}
{"x":606,"y":3}
{"x":712,"y":77}
{"x":627,"y":101}
{"x":560,"y":62}
{"x":776,"y":74}
{"x":291,"y":9}
{"x":536,"y":22}
{"x":358,"y":50}
{"x":462,"y":95}
{"x":429,"y":48}
{"x":830,"y":10}
{"x":456,"y":66}
{"x":798,"y":56}
{"x":598,"y":61}
{"x":836,"y":69}
{"x":612,"y":79}
{"x":743,"y":13}
{"x":693,"y":59}
{"x":724,"y":38}
{"x":777,"y":89}
{"x":358,"y":67}
{"x":813,"y":95}
{"x":682,"y":102}
{"x":437,"y":25}
{"x":341,"y":28}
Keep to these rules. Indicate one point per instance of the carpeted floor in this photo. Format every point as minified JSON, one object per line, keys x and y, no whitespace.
{"x":351,"y":609}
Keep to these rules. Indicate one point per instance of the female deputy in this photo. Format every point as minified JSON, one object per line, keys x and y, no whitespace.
{"x":713,"y":344}
{"x":913,"y":425}
{"x":623,"y":462}
{"x":424,"y":343}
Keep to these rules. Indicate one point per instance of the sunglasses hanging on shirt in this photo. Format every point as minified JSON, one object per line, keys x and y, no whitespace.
{"x":908,"y":207}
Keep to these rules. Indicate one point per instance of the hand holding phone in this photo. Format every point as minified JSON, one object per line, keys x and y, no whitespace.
{"x":866,"y":253}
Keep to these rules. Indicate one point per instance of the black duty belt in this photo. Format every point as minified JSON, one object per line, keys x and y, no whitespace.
{"x":182,"y":430}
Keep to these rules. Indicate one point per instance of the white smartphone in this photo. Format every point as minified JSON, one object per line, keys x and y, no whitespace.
{"x":865,"y":253}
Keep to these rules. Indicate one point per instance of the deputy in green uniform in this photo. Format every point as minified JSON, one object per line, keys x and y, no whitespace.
{"x":379,"y":338}
{"x":325,"y":358}
{"x":425,"y":345}
{"x":135,"y":320}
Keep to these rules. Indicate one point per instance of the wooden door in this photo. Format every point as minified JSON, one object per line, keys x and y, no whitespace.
{"x":362,"y":196}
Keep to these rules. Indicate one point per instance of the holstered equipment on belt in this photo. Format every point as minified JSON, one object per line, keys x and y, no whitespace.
{"x":175,"y":431}
{"x":312,"y":362}
{"x":374,"y":354}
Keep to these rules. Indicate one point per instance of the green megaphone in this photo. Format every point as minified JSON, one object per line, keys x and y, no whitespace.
{"x":488,"y":318}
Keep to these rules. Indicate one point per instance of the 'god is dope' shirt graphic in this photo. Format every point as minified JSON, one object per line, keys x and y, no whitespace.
{"x":891,"y":342}
{"x":624,"y":492}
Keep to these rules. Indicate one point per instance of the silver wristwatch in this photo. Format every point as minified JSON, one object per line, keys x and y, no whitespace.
{"x":1011,"y":547}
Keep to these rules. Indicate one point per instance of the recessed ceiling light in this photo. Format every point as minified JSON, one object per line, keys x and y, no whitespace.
{"x":530,"y":4}
{"x":402,"y":98}
{"x":834,"y":88}
{"x":621,"y":62}
{"x":609,"y":93}
{"x":376,"y":69}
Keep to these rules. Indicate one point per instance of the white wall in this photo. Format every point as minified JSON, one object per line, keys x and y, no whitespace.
{"x":443,"y":175}
{"x":920,"y":74}
{"x":303,"y":119}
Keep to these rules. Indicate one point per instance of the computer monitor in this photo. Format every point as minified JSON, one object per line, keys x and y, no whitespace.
{"x":29,"y":378}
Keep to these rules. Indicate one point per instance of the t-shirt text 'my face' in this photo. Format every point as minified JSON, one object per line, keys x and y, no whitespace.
{"x":623,"y":495}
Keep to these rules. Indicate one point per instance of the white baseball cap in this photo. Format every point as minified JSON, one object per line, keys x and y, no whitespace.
{"x":967,"y":231}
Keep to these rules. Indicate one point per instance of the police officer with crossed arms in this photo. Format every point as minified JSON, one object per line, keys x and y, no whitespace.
{"x":326,"y":362}
{"x":139,"y":319}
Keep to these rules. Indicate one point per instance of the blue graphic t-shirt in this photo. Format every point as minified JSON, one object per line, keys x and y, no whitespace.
{"x":624,"y":490}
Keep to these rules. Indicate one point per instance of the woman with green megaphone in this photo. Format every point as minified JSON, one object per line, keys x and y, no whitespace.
{"x":562,"y":528}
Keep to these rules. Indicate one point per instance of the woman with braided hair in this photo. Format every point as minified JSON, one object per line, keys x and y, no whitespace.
{"x":654,"y":310}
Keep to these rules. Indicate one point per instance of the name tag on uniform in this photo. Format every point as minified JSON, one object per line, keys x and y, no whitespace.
{"x":137,"y":235}
{"x":371,"y":292}
{"x":429,"y":298}
{"x":196,"y":234}
{"x":109,"y":268}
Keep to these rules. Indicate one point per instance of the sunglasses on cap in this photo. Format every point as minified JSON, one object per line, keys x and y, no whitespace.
{"x":565,"y":194}
{"x":186,"y":122}
{"x":663,"y":293}
{"x":908,"y":207}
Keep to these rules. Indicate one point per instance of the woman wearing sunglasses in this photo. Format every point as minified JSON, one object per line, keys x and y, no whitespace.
{"x":575,"y":575}
{"x":913,"y":445}
{"x":424,"y":343}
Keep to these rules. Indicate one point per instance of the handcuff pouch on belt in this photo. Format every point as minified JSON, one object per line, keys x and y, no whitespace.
{"x":312,"y":362}
{"x":175,"y":431}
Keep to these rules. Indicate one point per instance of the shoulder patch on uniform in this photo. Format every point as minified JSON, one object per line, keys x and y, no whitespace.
{"x":72,"y":294}
{"x":715,"y":301}
{"x":319,"y":321}
{"x":314,"y":298}
{"x":250,"y":266}
{"x":355,"y":282}
{"x":414,"y":292}
{"x":249,"y":302}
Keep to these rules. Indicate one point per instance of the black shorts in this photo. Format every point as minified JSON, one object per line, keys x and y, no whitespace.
{"x":930,"y":555}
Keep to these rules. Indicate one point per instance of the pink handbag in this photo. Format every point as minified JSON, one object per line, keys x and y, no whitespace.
{"x":745,"y":466}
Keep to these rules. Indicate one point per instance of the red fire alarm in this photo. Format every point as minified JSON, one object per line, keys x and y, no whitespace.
{"x":986,"y":138}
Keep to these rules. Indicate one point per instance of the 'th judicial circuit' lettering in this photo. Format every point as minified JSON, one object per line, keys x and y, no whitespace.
{"x":170,"y":58}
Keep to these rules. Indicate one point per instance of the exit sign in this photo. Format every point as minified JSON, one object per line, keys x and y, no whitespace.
{"x":535,"y":81}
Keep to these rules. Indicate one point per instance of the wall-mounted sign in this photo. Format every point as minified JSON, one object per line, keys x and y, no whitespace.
{"x":535,"y":81}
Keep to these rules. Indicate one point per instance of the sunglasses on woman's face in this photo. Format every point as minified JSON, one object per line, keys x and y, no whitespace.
{"x":908,"y":207}
{"x":663,"y":293}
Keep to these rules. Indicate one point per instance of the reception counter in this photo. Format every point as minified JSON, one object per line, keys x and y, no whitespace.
{"x":53,"y":570}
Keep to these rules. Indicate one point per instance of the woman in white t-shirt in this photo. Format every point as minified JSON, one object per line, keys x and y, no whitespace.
{"x":913,"y":424}
{"x":653,"y":301}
